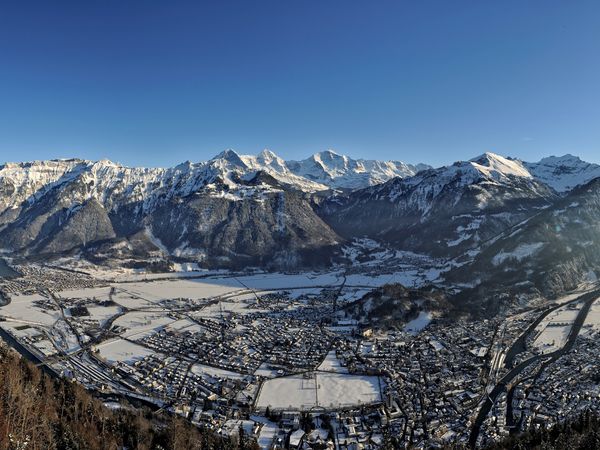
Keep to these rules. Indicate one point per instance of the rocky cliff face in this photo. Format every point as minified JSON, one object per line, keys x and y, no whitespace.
{"x":220,"y":212}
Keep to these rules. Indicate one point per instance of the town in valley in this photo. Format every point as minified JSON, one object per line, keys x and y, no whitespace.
{"x":276,"y":357}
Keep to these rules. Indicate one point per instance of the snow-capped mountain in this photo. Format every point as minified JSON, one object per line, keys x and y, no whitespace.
{"x":342,"y":172}
{"x":240,"y":209}
{"x":563,"y":173}
{"x":20,"y":181}
{"x":442,"y":210}
{"x":329,"y":170}
{"x":220,"y":209}
{"x":277,"y":167}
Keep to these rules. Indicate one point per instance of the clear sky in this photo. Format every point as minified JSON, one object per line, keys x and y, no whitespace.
{"x":155,"y":83}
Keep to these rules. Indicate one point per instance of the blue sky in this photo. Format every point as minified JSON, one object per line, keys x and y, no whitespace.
{"x":155,"y":83}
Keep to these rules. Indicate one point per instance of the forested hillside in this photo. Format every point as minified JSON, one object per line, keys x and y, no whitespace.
{"x":40,"y":413}
{"x":583,"y":433}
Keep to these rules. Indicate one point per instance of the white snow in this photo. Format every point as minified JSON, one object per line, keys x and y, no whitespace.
{"x":521,"y":252}
{"x":102,"y":313}
{"x":120,"y":350}
{"x":332,"y":364}
{"x":140,"y":324}
{"x":592,"y":321}
{"x":420,"y":322}
{"x":203,"y":370}
{"x":340,"y":171}
{"x":267,"y":434}
{"x":497,"y":166}
{"x":563,"y":173}
{"x":553,"y":331}
{"x":325,"y":389}
{"x":23,"y":309}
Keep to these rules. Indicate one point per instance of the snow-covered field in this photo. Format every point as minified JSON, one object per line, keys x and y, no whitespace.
{"x":592,"y":321}
{"x":185,"y":325}
{"x":203,"y":370}
{"x":323,"y":389}
{"x":145,"y":291}
{"x":418,"y":323}
{"x":182,"y":288}
{"x":265,"y":371}
{"x":332,"y":364}
{"x":99,"y":293}
{"x":554,"y":330}
{"x":120,"y":350}
{"x":63,"y":337}
{"x":140,"y":324}
{"x":102,"y":313}
{"x":23,"y":309}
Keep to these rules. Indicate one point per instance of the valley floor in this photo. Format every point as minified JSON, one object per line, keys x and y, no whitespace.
{"x":272,"y":353}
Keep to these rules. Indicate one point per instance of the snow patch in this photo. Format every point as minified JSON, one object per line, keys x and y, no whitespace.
{"x":521,"y":252}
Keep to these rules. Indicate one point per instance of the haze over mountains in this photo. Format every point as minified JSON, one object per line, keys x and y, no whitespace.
{"x":240,"y":211}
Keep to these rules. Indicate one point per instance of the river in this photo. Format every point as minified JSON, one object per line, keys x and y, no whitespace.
{"x":506,"y":382}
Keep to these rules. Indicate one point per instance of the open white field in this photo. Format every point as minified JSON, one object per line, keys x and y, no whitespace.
{"x":332,"y":364}
{"x":320,"y":389}
{"x":147,"y":294}
{"x":265,"y":371}
{"x":299,"y":292}
{"x":23,"y":309}
{"x":99,"y":293}
{"x":102,"y":313}
{"x":592,"y":321}
{"x":140,"y":324}
{"x":123,"y":275}
{"x":132,"y":300}
{"x":120,"y":350}
{"x":236,"y":305}
{"x":274,"y":281}
{"x":203,"y":370}
{"x":418,"y":323}
{"x":155,"y":291}
{"x":185,"y":325}
{"x":554,"y":329}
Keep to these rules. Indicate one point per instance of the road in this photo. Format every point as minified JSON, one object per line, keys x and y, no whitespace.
{"x":506,"y":380}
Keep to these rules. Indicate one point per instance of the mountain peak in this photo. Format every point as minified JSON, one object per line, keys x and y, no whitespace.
{"x":561,"y":160}
{"x":493,"y":164}
{"x":228,"y":154}
{"x":332,"y":161}
{"x":489,"y":156}
{"x":105,"y":163}
{"x":328,"y":154}
{"x":565,"y":172}
{"x":267,"y":156}
{"x":231,"y":157}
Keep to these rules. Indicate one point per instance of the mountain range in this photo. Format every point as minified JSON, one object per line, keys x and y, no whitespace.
{"x":235,"y":211}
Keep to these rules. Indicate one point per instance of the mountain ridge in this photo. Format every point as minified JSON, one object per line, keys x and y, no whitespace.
{"x":241,"y":210}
